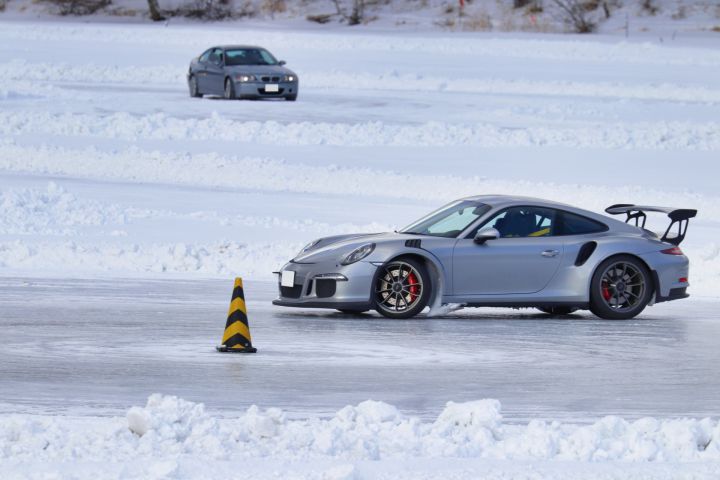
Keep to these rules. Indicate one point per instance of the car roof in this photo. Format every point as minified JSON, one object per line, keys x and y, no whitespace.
{"x":502,"y":201}
{"x":233,"y":47}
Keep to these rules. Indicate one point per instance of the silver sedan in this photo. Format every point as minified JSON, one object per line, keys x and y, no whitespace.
{"x":497,"y":251}
{"x":241,"y":72}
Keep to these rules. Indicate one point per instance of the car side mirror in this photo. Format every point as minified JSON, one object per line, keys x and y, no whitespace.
{"x":486,"y":234}
{"x":282,"y":62}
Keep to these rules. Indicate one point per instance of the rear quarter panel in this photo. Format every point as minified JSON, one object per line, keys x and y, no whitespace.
{"x":573,"y":282}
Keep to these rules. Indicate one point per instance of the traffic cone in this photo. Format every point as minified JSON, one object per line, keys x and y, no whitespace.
{"x":236,"y":338}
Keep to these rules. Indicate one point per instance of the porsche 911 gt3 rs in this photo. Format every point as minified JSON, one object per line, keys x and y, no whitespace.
{"x":498,"y":251}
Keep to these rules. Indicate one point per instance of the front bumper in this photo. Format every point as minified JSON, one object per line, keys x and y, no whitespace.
{"x":312,"y":290}
{"x":257,"y":89}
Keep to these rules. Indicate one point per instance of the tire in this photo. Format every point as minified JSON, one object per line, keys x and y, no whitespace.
{"x":291,"y":98}
{"x":558,"y":310}
{"x":229,"y":91}
{"x":621,"y":288}
{"x":351,"y":312}
{"x":401,"y":288}
{"x":193,"y":86}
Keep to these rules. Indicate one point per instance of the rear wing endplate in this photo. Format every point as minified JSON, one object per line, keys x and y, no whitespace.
{"x":679,"y":219}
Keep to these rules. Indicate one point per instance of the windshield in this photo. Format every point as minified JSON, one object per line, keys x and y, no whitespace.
{"x":450,"y":220}
{"x":249,"y":56}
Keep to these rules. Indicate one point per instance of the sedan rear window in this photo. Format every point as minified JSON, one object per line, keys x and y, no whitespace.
{"x":249,"y":56}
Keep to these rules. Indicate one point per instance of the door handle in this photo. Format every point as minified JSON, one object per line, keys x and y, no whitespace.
{"x":550,"y":253}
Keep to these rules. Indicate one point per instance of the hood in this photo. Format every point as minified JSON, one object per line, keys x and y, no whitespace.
{"x":260,"y":69}
{"x":339,"y":246}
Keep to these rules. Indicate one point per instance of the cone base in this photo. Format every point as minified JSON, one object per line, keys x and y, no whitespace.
{"x":224,"y":349}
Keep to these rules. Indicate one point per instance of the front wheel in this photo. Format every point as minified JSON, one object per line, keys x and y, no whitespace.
{"x":401,"y":288}
{"x":229,"y":92}
{"x":193,"y":86}
{"x":620,"y":289}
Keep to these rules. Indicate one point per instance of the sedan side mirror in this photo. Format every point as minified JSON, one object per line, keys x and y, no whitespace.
{"x":282,"y":62}
{"x":486,"y":234}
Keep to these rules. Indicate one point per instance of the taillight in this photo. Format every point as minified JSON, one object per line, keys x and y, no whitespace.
{"x":683,"y":280}
{"x":672,"y":251}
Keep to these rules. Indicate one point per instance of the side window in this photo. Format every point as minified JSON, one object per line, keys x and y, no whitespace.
{"x":572,"y":224}
{"x":205,"y":56}
{"x":523,"y":222}
{"x":216,"y":56}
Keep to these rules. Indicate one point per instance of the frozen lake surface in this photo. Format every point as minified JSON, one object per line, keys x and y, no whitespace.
{"x":100,"y":346}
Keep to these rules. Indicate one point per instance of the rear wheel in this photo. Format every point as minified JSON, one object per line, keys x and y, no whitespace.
{"x":401,"y":288}
{"x":621,"y":288}
{"x":193,"y":86}
{"x":229,"y":93}
{"x":557,"y":310}
{"x":291,"y":98}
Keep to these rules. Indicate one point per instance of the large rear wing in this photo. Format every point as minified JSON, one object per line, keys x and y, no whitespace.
{"x":679,"y":219}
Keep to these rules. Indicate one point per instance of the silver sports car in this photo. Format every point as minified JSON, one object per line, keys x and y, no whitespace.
{"x":497,"y":251}
{"x":241,"y":71}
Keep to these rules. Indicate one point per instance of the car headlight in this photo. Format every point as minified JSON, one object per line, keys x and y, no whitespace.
{"x":308,"y":247}
{"x":289,"y":78}
{"x":359,"y":253}
{"x":245,"y":78}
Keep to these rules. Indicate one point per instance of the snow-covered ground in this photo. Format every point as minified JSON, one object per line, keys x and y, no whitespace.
{"x":109,"y":170}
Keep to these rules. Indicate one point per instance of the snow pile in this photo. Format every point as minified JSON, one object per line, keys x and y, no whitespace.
{"x":168,"y":427}
{"x":218,"y":258}
{"x":54,"y":211}
{"x":661,"y":135}
{"x":20,"y":70}
{"x":271,"y":175}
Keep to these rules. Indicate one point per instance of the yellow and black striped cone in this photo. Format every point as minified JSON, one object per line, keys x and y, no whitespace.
{"x":236,"y":338}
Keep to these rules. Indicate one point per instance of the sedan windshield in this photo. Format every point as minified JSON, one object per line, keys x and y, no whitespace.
{"x":450,"y":220}
{"x":249,"y":56}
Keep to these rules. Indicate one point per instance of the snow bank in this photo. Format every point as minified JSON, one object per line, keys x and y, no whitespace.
{"x":159,"y":126}
{"x":272,"y":175}
{"x":257,"y":260}
{"x":55,"y":211}
{"x":171,"y":427}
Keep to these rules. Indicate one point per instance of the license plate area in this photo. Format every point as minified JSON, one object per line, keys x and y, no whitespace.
{"x":272,"y":87}
{"x":287,"y":278}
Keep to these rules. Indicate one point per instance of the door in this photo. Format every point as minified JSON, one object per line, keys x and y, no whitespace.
{"x":214,"y":73}
{"x":201,"y":71}
{"x":522,"y":261}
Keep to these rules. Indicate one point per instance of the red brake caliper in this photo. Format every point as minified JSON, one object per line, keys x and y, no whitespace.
{"x":605,"y":291}
{"x":412,"y":280}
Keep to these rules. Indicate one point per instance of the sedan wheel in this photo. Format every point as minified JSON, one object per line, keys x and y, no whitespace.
{"x":621,"y":288}
{"x":194,"y":91}
{"x":229,"y":90}
{"x":402,"y":288}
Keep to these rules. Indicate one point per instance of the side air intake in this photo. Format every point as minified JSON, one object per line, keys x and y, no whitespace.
{"x":413,"y":243}
{"x":584,"y":253}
